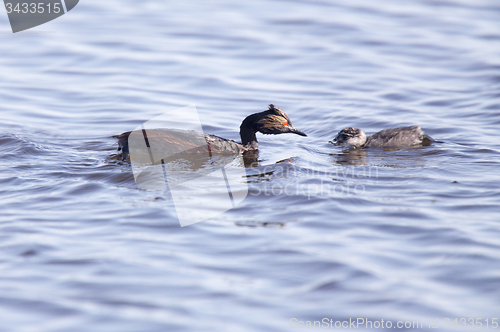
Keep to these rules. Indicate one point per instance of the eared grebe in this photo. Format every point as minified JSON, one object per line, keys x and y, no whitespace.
{"x":388,"y":138}
{"x":272,"y":121}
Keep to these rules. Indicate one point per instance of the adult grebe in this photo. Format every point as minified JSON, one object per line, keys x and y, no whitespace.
{"x":399,"y":138}
{"x":272,"y":121}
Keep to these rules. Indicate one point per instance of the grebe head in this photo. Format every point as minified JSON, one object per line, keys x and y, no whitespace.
{"x":350,"y":137}
{"x":272,"y":121}
{"x":275,"y":121}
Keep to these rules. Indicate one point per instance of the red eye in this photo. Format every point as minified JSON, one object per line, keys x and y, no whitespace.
{"x":285,"y":123}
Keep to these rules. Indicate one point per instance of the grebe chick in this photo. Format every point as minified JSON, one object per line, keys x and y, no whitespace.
{"x":399,"y":138}
{"x":272,"y":121}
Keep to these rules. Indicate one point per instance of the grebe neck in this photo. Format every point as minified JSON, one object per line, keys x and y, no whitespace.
{"x":247,"y":133}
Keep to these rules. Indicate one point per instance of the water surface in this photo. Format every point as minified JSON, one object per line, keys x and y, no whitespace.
{"x":410,"y":234}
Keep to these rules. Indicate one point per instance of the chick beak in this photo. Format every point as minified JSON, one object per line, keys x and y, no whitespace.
{"x":334,"y":141}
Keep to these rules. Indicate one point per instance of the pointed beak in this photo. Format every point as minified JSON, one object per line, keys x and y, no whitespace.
{"x":296,"y":131}
{"x":334,"y":141}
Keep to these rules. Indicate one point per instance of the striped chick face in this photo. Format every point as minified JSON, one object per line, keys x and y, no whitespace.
{"x":350,"y":137}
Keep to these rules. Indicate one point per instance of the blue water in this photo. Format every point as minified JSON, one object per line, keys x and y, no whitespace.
{"x":409,"y":235}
